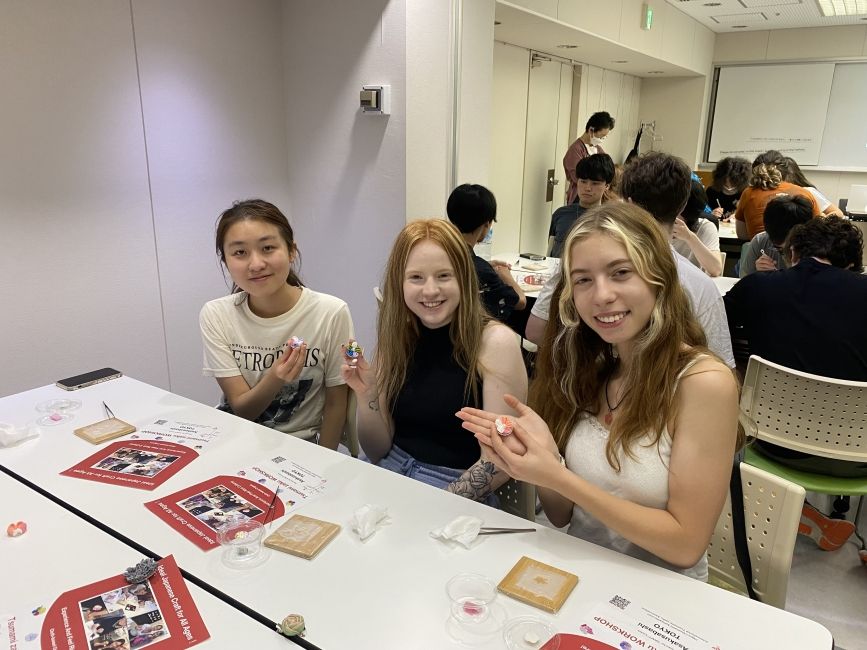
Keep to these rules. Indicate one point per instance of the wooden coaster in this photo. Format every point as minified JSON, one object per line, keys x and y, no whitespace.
{"x":105,"y":430}
{"x":302,"y":536}
{"x":538,"y":584}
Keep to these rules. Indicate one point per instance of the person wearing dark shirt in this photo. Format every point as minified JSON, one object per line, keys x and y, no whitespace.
{"x":473,"y":209}
{"x":594,"y":176}
{"x":731,"y":176}
{"x":810,"y":317}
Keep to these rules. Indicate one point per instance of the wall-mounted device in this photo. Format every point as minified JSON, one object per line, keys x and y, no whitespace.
{"x":375,"y":100}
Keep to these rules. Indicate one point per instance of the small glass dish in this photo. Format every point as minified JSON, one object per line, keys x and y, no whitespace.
{"x":56,"y":411}
{"x":242,"y":544}
{"x":530,"y":633}
{"x":470,"y":595}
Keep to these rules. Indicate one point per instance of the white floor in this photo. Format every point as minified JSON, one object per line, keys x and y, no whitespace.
{"x":831,"y":589}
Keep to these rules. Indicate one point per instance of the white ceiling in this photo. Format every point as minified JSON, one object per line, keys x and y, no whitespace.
{"x":729,"y":15}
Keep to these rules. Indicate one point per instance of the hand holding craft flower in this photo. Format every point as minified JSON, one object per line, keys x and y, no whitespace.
{"x":504,"y":426}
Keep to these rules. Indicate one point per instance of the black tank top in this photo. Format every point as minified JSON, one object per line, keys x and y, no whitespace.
{"x":425,"y":425}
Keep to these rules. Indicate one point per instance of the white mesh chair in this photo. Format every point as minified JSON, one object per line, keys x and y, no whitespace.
{"x":518,"y":498}
{"x":811,"y":414}
{"x":772,"y":511}
{"x":350,"y":430}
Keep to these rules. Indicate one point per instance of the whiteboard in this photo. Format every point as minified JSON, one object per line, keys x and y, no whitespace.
{"x":844,"y":143}
{"x":761,"y":107}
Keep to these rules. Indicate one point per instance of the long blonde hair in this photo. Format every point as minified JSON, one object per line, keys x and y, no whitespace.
{"x":574,"y":362}
{"x":397,"y":327}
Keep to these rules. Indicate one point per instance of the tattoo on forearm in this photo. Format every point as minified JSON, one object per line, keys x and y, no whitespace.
{"x":374,"y":404}
{"x":475,"y":483}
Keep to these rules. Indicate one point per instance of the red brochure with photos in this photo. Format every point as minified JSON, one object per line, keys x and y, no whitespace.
{"x":112,"y":613}
{"x":201,"y":511}
{"x":142,"y":464}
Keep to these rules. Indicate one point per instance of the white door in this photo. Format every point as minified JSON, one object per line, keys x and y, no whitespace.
{"x":549,"y":101}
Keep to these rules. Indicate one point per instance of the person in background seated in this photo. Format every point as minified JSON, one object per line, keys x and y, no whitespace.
{"x":634,"y":422}
{"x":595,"y":174}
{"x":794,"y":175}
{"x":437,"y":351}
{"x":589,"y":143}
{"x":767,"y":181}
{"x":473,"y":210}
{"x":659,"y":183}
{"x":765,"y":250}
{"x":811,"y":317}
{"x":731,"y":176}
{"x":694,"y":236}
{"x":265,"y":376}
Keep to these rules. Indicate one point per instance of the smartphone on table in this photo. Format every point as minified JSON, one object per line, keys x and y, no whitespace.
{"x":89,"y":379}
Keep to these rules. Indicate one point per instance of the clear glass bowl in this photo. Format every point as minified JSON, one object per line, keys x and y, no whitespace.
{"x":530,"y":633}
{"x":242,"y":544}
{"x":470,"y":595}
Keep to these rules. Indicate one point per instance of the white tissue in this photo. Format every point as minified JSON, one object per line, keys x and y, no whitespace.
{"x":11,"y":435}
{"x":463,"y":530}
{"x":366,"y":518}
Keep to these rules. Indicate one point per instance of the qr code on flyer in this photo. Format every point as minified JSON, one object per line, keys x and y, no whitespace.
{"x":278,"y":459}
{"x":619,"y":601}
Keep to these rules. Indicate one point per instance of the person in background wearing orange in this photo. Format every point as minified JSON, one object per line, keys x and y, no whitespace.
{"x":766,"y":183}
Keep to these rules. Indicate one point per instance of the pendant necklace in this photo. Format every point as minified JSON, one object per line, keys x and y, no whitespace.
{"x":610,"y":415}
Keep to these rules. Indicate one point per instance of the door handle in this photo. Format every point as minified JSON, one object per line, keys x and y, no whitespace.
{"x":551,"y":182}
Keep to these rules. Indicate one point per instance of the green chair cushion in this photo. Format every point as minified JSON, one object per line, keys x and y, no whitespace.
{"x":810,"y":482}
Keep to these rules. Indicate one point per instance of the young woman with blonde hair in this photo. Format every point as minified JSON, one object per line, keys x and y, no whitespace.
{"x":437,"y":351}
{"x":635,"y":423}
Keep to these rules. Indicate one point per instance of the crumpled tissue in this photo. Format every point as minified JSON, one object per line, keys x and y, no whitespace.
{"x":463,"y":530}
{"x":11,"y":435}
{"x":366,"y":519}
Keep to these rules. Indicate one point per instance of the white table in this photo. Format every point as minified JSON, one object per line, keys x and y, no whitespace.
{"x":387,"y":592}
{"x":73,"y":553}
{"x":724,"y":284}
{"x":727,"y":231}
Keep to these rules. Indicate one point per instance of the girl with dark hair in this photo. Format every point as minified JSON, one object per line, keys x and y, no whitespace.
{"x":636,"y":422}
{"x":273,"y":344}
{"x":437,"y":351}
{"x":794,"y":175}
{"x":731,"y":176}
{"x":694,"y":236}
{"x":766,"y":183}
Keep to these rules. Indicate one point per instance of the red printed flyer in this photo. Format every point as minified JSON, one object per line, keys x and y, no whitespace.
{"x":112,"y":614}
{"x":264,"y":492}
{"x":142,"y":464}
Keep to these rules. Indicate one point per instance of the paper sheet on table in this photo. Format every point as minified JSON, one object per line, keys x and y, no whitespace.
{"x":623,"y":624}
{"x":188,"y":434}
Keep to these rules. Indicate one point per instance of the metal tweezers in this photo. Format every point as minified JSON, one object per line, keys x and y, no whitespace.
{"x":504,"y":531}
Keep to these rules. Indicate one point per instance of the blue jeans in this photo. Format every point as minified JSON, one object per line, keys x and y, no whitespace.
{"x":401,"y":462}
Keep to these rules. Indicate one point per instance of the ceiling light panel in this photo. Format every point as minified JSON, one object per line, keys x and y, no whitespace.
{"x":842,"y":7}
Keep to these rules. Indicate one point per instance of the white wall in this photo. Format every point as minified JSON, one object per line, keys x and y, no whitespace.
{"x":790,"y":45}
{"x":347,"y":171}
{"x":675,"y":37}
{"x":118,"y":153}
{"x":214,"y":118}
{"x":429,"y":107}
{"x":677,"y":105}
{"x":78,"y":275}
